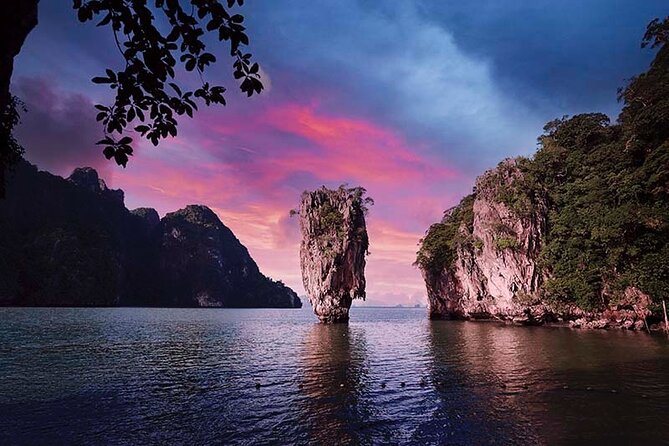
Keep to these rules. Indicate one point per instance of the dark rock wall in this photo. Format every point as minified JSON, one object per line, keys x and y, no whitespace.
{"x":17,"y":19}
{"x":73,"y":243}
{"x":203,"y":264}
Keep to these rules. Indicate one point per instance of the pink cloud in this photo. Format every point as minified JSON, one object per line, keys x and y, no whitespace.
{"x":335,"y":148}
{"x":250,"y":169}
{"x":58,"y":130}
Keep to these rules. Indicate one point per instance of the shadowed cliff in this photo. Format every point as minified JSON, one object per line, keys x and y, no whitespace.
{"x":72,"y":242}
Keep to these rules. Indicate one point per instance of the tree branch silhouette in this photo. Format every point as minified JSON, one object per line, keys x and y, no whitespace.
{"x":142,"y":101}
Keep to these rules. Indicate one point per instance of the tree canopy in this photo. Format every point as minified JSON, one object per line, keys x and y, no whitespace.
{"x":158,"y":41}
{"x":155,"y":39}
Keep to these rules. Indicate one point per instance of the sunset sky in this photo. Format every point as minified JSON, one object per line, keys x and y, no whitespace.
{"x":411,"y":100}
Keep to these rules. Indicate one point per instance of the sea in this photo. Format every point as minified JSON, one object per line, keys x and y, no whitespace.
{"x":129,"y":376}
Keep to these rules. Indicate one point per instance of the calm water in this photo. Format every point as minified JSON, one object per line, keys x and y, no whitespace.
{"x":120,"y":376}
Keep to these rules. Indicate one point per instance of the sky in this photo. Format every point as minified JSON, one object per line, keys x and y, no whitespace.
{"x":411,"y":100}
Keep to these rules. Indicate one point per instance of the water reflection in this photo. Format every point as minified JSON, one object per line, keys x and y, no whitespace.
{"x":547,"y":386}
{"x":129,"y":376}
{"x":467,"y":371}
{"x":333,"y":364}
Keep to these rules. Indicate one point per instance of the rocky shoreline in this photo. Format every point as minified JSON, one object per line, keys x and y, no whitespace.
{"x":582,"y":323}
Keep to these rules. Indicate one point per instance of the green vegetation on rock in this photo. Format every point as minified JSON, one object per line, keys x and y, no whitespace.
{"x":328,"y":220}
{"x":607,"y":189}
{"x":507,"y":243}
{"x":439,"y":248}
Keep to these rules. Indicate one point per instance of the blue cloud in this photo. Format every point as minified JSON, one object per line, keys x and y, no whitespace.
{"x":563,"y":57}
{"x":475,"y":80}
{"x":479,"y":79}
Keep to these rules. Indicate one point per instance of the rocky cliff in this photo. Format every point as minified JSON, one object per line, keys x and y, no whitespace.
{"x":204,"y":265}
{"x":333,"y":249}
{"x":578,"y":233}
{"x":72,"y":242}
{"x":494,"y":243}
{"x":483,"y":260}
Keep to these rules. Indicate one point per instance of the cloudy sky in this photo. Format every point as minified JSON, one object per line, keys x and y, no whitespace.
{"x":411,"y":100}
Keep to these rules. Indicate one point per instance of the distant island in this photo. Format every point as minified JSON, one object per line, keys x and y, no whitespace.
{"x":72,"y":242}
{"x":579,"y":233}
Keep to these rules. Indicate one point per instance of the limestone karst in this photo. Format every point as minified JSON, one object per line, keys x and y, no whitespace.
{"x":491,"y":268}
{"x":72,"y":242}
{"x":333,"y":249}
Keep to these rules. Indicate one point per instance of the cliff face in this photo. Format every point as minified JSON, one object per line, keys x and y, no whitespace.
{"x":73,"y":243}
{"x":493,"y":243}
{"x":204,"y":265}
{"x":64,"y":242}
{"x":578,"y":233}
{"x":494,"y":273}
{"x":490,"y":258}
{"x":333,"y":249}
{"x":87,"y":178}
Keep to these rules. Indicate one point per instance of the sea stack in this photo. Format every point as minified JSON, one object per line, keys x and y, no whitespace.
{"x":333,"y":249}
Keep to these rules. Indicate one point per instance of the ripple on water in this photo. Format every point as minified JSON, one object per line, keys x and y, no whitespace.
{"x":157,"y":375}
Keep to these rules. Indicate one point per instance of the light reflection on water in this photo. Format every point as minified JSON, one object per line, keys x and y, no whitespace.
{"x":118,"y":376}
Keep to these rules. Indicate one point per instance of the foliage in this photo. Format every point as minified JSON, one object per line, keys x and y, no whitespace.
{"x":524,"y":299}
{"x":503,"y":243}
{"x":607,"y":189}
{"x":325,"y":212}
{"x":657,"y":33}
{"x":150,"y":54}
{"x":330,"y":220}
{"x":439,"y":248}
{"x":518,"y":192}
{"x":9,"y":119}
